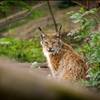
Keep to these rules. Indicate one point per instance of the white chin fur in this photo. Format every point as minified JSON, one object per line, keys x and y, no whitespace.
{"x":41,"y":42}
{"x":46,"y":53}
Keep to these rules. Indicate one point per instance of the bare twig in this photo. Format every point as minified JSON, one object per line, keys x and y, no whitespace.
{"x":51,"y":12}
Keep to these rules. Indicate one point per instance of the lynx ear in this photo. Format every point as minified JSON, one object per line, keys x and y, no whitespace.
{"x":42,"y":33}
{"x":60,"y":29}
{"x":59,"y":32}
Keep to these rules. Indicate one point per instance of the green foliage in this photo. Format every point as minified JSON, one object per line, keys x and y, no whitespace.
{"x":86,"y":23}
{"x":90,"y":43}
{"x":21,"y":50}
{"x":92,"y":49}
{"x":94,"y":75}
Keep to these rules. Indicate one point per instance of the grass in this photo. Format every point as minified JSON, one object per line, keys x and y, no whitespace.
{"x":21,"y":50}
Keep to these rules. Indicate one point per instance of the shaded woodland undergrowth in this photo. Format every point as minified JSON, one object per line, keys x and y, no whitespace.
{"x":89,"y":38}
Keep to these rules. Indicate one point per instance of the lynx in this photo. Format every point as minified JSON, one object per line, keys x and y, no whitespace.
{"x":63,"y":61}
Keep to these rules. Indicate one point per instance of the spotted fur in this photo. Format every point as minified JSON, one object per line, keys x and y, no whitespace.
{"x":63,"y":61}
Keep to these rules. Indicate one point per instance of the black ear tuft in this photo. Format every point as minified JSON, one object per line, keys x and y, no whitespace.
{"x":60,"y":29}
{"x":42,"y":33}
{"x":58,"y":35}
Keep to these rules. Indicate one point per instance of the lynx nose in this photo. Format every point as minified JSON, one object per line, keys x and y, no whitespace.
{"x":50,"y":49}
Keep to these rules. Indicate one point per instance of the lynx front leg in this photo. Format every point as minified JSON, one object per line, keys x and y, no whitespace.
{"x":52,"y":72}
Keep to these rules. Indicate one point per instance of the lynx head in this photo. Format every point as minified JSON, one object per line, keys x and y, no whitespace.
{"x":51,"y":42}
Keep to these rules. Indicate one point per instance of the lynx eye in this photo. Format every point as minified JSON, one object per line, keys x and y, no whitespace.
{"x":46,"y":42}
{"x":53,"y":42}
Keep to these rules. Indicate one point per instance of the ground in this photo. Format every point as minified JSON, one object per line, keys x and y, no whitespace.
{"x":10,"y":63}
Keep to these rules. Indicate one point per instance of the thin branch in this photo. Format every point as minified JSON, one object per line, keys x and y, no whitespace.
{"x":51,"y":12}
